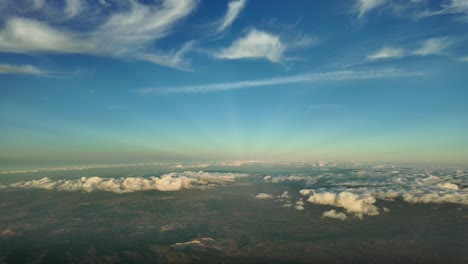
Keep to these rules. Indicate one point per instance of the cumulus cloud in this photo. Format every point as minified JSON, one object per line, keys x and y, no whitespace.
{"x":128,"y":32}
{"x":256,"y":44}
{"x":448,"y":185}
{"x":334,"y":214}
{"x":167,"y":182}
{"x":234,"y":8}
{"x":20,"y":69}
{"x":263,"y":196}
{"x":363,"y":7}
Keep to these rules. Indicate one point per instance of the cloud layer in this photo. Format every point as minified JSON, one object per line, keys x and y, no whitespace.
{"x":167,"y":182}
{"x":358,"y":192}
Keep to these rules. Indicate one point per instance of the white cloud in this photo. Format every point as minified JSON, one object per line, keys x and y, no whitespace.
{"x":299,"y":207}
{"x":167,"y":182}
{"x":20,"y":69}
{"x":263,"y":196}
{"x":386,"y":53}
{"x":463,"y":58}
{"x":25,"y":36}
{"x":363,"y":7}
{"x":74,"y":7}
{"x":234,"y":8}
{"x":301,"y":78}
{"x":433,"y":46}
{"x":359,"y":205}
{"x":452,"y":7}
{"x":175,"y":59}
{"x":448,"y":185}
{"x":256,"y":44}
{"x":334,"y":214}
{"x":128,"y":33}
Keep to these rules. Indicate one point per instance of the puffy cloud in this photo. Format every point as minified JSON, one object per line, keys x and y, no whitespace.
{"x":363,"y":7}
{"x":167,"y":182}
{"x":358,"y":205}
{"x":263,"y":196}
{"x":448,"y":185}
{"x":334,"y":214}
{"x":299,"y":207}
{"x":234,"y":8}
{"x":256,"y":44}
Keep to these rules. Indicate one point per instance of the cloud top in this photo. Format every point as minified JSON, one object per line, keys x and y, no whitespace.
{"x":167,"y":182}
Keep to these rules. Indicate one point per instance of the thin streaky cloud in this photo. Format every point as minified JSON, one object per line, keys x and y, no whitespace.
{"x":300,"y":78}
{"x":20,"y":69}
{"x":363,"y":7}
{"x":234,"y":9}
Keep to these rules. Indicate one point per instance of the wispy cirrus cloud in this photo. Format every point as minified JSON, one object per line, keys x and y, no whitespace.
{"x":129,"y":32}
{"x":364,"y":7}
{"x":300,"y":78}
{"x":234,"y":9}
{"x":20,"y":69}
{"x":459,"y":8}
{"x":432,"y":46}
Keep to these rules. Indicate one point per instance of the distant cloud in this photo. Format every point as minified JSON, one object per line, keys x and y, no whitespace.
{"x":387,"y":52}
{"x":255,"y":44}
{"x":333,"y":214}
{"x":167,"y":182}
{"x":301,"y":78}
{"x":465,"y":58}
{"x":363,"y":7}
{"x":262,"y":196}
{"x":234,"y":8}
{"x":359,"y":205}
{"x":126,"y":33}
{"x":20,"y":69}
{"x":432,"y":46}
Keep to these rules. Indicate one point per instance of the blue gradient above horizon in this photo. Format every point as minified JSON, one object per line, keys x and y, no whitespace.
{"x":344,"y":83}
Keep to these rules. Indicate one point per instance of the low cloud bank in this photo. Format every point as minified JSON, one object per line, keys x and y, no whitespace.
{"x":358,"y":189}
{"x":167,"y":182}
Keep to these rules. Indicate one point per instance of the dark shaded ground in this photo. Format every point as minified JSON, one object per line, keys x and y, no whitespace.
{"x":38,"y":226}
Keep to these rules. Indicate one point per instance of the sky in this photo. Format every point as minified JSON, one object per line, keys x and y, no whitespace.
{"x":197,"y":80}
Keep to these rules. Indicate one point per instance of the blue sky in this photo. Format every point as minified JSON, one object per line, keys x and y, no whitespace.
{"x":173,"y":80}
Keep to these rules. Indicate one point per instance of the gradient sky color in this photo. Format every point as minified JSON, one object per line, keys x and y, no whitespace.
{"x":185,"y":80}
